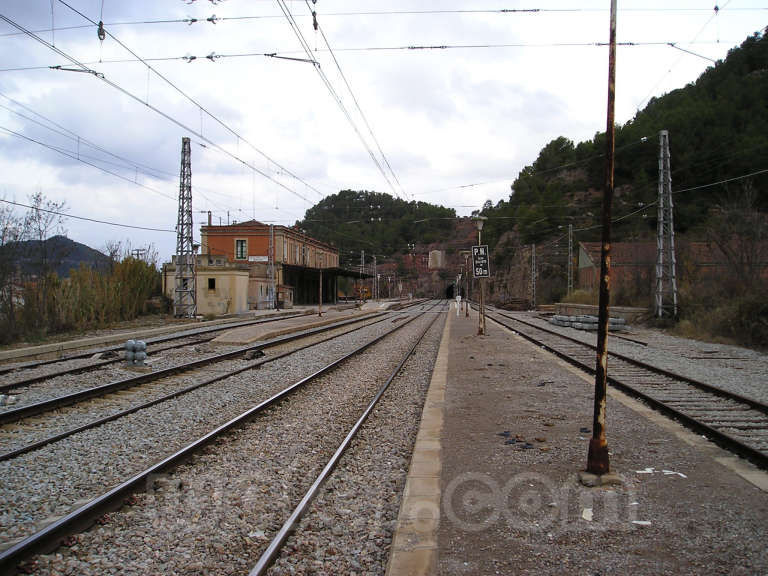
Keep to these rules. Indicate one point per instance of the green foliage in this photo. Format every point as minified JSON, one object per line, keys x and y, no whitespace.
{"x":377,"y":223}
{"x":718,"y":129}
{"x":87,"y":299}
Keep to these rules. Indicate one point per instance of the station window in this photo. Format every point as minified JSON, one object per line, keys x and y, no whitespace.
{"x":241,"y":249}
{"x":211,"y":283}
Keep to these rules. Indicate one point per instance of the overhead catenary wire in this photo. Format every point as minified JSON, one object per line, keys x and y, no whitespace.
{"x":284,"y":54}
{"x":69,"y":154}
{"x":354,"y":99}
{"x":126,"y":163}
{"x":165,"y":115}
{"x":717,"y":10}
{"x":307,"y":50}
{"x":203,"y":110}
{"x":67,"y":215}
{"x":189,"y":21}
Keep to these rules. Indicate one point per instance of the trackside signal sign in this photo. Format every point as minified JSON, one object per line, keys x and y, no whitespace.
{"x":480,"y":266}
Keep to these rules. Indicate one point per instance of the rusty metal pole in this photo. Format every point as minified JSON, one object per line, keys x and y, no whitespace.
{"x":466,"y":284}
{"x":481,"y":308}
{"x":597,"y":459}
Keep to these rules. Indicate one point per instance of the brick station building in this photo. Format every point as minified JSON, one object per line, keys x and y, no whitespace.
{"x":233,"y":268}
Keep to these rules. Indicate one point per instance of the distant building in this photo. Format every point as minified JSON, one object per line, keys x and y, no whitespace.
{"x":221,"y":287}
{"x":436,"y":260}
{"x":233,"y":273}
{"x":633,"y":264}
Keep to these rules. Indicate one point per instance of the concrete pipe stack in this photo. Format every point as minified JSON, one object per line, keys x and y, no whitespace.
{"x":135,"y":352}
{"x":587,"y":322}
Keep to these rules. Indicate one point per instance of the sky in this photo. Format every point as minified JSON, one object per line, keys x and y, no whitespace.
{"x":439,"y":101}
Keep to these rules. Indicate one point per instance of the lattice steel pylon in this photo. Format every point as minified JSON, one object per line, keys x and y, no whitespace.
{"x":666,"y":280}
{"x":184,"y":304}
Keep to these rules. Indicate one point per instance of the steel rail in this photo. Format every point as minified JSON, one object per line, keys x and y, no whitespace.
{"x":756,"y":404}
{"x":77,"y":520}
{"x":117,"y":415}
{"x":722,"y":438}
{"x":154,"y":340}
{"x":43,"y":406}
{"x":274,"y":547}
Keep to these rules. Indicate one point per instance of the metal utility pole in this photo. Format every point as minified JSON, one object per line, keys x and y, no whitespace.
{"x":666,"y":280}
{"x":533,"y":276}
{"x":271,"y":268}
{"x":375,"y":290}
{"x":597,"y":458}
{"x":184,"y":304}
{"x":466,"y":254}
{"x":481,"y":270}
{"x":570,"y":258}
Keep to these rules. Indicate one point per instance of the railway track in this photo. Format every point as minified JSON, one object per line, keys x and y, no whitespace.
{"x":36,"y":387}
{"x":30,"y":427}
{"x":90,"y":362}
{"x":97,"y":406}
{"x":736,"y":422}
{"x":67,"y":520}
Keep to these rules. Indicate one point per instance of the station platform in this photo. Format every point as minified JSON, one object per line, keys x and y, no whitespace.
{"x":304,"y":317}
{"x":258,"y":332}
{"x":493,"y":484}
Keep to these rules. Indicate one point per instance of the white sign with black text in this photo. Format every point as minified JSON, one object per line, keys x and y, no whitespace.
{"x":480,"y":265}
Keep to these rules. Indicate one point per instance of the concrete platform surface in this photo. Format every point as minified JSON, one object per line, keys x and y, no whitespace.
{"x":109,"y":337}
{"x":259,"y":332}
{"x":494,"y":486}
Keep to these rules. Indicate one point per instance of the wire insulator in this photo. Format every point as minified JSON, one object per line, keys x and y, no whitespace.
{"x":101,"y":33}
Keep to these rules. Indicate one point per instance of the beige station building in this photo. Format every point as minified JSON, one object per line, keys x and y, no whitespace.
{"x":234,"y":272}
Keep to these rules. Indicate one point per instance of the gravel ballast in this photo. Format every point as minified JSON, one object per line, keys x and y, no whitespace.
{"x":48,"y":482}
{"x":217,"y":512}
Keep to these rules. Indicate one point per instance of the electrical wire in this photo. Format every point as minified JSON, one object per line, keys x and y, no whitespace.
{"x":354,"y":99}
{"x":189,"y":58}
{"x":216,"y":19}
{"x":725,"y":181}
{"x":642,"y":140}
{"x":68,"y":154}
{"x":203,"y":109}
{"x":66,"y":215}
{"x":717,"y":10}
{"x":137,"y":167}
{"x":82,"y":67}
{"x":66,"y":133}
{"x":307,"y":50}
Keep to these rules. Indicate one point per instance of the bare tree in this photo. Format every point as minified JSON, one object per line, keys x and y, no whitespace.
{"x":740,"y":231}
{"x":114,"y":251}
{"x":43,"y":219}
{"x":11,"y":234}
